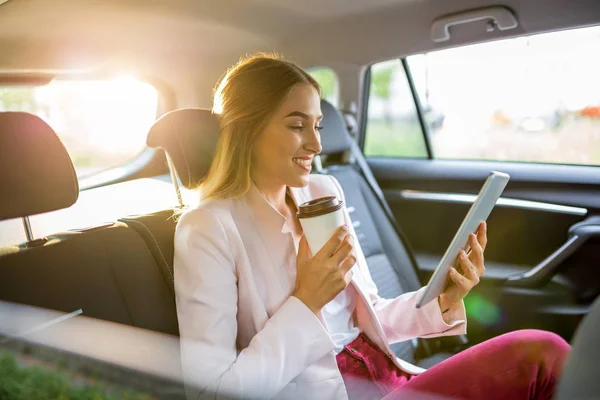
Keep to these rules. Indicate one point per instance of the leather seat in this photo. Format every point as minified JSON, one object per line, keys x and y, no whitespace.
{"x":106,"y":271}
{"x":580,"y":374}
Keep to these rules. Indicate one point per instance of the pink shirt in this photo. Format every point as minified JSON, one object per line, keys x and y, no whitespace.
{"x":242,"y":333}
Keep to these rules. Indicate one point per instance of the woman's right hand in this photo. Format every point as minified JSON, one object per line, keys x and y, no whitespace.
{"x":322,"y":277}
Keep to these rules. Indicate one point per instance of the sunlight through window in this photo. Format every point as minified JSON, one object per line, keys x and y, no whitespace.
{"x":102,"y":123}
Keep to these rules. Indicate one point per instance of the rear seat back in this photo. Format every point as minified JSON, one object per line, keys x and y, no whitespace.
{"x":158,"y":231}
{"x":107,"y":271}
{"x":189,"y":138}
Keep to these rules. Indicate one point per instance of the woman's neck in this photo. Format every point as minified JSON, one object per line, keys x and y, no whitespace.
{"x":275,"y":194}
{"x":284,"y":204}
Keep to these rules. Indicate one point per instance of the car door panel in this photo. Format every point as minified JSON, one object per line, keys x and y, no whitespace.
{"x":539,"y":207}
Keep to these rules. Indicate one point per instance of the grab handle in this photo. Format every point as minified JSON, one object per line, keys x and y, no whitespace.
{"x":500,"y":17}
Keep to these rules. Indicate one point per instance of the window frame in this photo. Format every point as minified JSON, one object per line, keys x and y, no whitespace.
{"x":418,"y":108}
{"x":364,"y":110}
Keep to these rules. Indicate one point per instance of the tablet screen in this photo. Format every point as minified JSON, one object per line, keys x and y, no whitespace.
{"x":479,"y":212}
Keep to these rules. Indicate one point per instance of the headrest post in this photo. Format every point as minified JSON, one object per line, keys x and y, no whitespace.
{"x":318,"y":164}
{"x":174,"y":179}
{"x":27,"y":226}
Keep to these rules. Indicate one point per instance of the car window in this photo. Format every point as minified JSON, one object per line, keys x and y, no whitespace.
{"x":328,"y":79}
{"x":392,"y":128}
{"x":528,"y":99}
{"x":102,"y":123}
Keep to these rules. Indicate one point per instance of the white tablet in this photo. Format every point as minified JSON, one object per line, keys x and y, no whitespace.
{"x":479,"y":212}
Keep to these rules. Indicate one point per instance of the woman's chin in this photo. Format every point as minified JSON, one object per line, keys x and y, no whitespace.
{"x":300,"y":181}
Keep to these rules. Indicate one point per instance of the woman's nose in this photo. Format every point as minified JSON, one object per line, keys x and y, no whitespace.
{"x":313,"y":143}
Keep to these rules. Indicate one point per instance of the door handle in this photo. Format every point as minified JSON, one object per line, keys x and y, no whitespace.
{"x":543,"y":272}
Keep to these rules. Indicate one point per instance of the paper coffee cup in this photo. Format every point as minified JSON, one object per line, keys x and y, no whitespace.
{"x":319,"y":219}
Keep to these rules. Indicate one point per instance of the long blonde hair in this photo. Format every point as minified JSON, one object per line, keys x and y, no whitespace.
{"x":245,"y":99}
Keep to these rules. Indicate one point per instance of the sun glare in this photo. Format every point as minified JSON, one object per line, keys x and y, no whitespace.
{"x":99,"y":119}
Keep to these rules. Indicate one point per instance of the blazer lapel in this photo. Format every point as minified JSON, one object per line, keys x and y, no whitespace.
{"x":274,"y":257}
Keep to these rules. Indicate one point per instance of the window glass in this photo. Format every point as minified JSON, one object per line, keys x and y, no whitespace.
{"x":530,"y":99}
{"x":327,"y":78}
{"x":393,"y":128}
{"x":102,"y":123}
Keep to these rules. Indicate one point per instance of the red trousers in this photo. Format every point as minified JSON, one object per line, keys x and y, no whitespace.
{"x":523,"y":364}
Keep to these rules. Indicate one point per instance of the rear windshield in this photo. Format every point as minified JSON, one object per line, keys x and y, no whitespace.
{"x":102,"y":123}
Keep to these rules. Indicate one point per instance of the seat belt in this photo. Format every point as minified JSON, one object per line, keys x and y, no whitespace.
{"x":423,"y":348}
{"x":365,"y":170}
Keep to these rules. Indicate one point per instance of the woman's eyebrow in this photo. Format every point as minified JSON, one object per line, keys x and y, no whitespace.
{"x":297,"y":114}
{"x":301,"y":115}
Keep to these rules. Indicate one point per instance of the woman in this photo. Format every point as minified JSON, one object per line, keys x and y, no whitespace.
{"x":261,"y":317}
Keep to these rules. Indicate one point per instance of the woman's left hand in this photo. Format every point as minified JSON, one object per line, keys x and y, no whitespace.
{"x":472,"y":268}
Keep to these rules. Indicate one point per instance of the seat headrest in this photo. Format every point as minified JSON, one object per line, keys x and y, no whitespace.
{"x":36,"y":172}
{"x":334,"y":136}
{"x":189,"y":136}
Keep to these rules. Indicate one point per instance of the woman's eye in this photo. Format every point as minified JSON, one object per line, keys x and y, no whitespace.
{"x":301,"y":128}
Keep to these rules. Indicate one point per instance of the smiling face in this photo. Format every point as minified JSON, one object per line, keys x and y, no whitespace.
{"x":283,"y":152}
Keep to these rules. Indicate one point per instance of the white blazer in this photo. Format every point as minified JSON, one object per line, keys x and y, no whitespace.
{"x":243,"y":334}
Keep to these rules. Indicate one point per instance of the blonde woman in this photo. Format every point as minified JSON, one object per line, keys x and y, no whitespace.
{"x":261,"y":317}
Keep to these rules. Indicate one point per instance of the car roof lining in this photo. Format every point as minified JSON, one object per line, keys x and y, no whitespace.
{"x":184,"y":41}
{"x":309,"y":29}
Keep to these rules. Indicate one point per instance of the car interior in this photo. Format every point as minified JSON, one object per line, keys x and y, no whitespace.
{"x":106,"y":129}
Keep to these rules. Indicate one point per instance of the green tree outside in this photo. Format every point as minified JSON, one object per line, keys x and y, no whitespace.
{"x":327,"y":78}
{"x":381,"y":81}
{"x":18,"y":99}
{"x":20,"y":382}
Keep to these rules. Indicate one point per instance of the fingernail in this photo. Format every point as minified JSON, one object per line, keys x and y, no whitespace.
{"x":463,"y":254}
